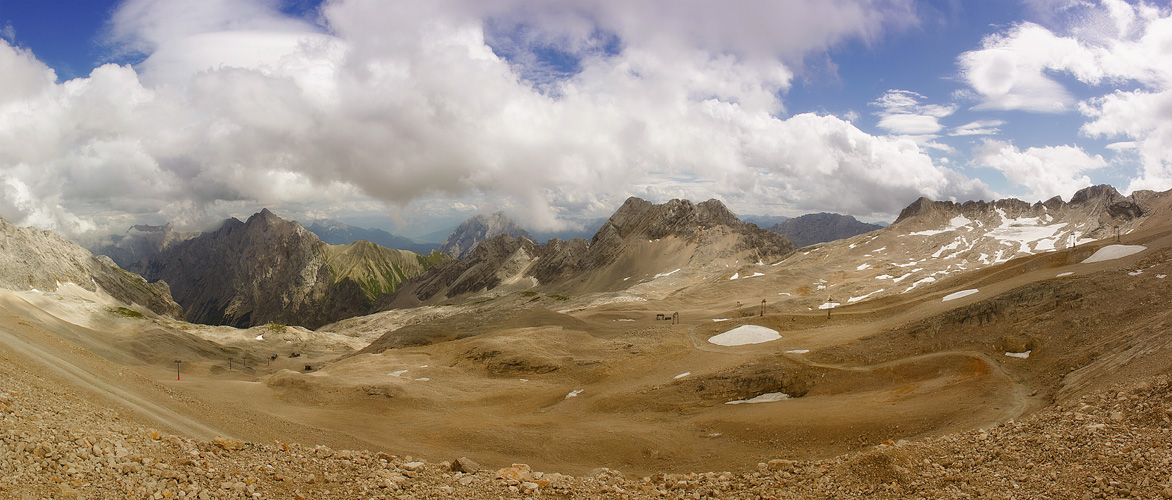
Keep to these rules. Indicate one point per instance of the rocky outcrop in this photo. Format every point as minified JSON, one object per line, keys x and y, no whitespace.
{"x":821,"y":227}
{"x":271,"y":270}
{"x":469,"y":234}
{"x":41,"y":260}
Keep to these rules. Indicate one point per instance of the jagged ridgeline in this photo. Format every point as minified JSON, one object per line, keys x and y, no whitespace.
{"x":641,"y":238}
{"x":269,"y":270}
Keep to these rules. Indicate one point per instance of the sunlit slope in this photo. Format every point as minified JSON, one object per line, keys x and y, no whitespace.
{"x":376,"y":269}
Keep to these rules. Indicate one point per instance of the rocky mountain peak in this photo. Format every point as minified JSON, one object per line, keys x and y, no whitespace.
{"x":471,"y":232}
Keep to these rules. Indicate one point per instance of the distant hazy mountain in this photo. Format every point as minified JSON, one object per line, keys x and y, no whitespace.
{"x":139,"y":242}
{"x":763,"y":221}
{"x":821,"y":227}
{"x":271,"y":270}
{"x":589,"y":227}
{"x":35,"y":259}
{"x":339,"y":233}
{"x":464,"y":239}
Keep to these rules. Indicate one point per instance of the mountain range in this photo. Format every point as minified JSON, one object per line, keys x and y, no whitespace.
{"x":334,"y":232}
{"x":268,"y":270}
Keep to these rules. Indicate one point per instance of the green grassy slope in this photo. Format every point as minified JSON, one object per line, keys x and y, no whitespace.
{"x":376,"y":269}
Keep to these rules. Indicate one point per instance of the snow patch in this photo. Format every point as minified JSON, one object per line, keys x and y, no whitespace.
{"x":1019,"y":355}
{"x":883,"y":277}
{"x":743,"y":335}
{"x":957,"y":295}
{"x":768,"y":397}
{"x":260,"y":337}
{"x":829,"y":305}
{"x":1112,"y":252}
{"x":798,"y":351}
{"x":929,"y":279}
{"x":1067,"y":273}
{"x":863,"y":297}
{"x":718,"y":320}
{"x":574,"y":393}
{"x":397,"y":373}
{"x":422,"y":379}
{"x":862,"y":267}
{"x":664,"y":275}
{"x":1137,"y":272}
{"x":735,"y":276}
{"x":682,"y":375}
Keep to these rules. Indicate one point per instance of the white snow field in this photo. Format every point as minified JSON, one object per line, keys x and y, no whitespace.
{"x":1112,"y":252}
{"x":744,"y":335}
{"x":768,"y":397}
{"x":957,"y":295}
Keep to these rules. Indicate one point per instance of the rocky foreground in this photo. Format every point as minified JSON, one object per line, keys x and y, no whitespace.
{"x":1115,"y":444}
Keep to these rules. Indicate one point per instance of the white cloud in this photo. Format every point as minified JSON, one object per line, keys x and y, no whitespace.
{"x":1116,"y":48}
{"x":388,"y":103}
{"x":979,"y":127}
{"x":1047,"y":171}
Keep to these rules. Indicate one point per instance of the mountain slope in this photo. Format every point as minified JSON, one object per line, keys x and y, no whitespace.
{"x":270,"y":270}
{"x":41,"y":260}
{"x":471,"y":232}
{"x":821,"y":227}
{"x":375,"y":268}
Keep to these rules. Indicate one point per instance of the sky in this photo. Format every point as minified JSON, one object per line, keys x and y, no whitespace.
{"x":410,"y":115}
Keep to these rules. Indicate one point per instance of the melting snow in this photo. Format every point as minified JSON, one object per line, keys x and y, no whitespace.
{"x":768,"y":397}
{"x":784,"y":293}
{"x":1136,"y":272}
{"x":624,"y":319}
{"x":260,"y":337}
{"x":883,"y":277}
{"x":863,"y":297}
{"x":743,"y":335}
{"x":1161,"y":276}
{"x":682,"y":375}
{"x":1020,"y":355}
{"x":957,"y":295}
{"x":735,"y":276}
{"x":1111,"y":252}
{"x":829,"y":305}
{"x":423,"y":379}
{"x":798,"y":351}
{"x":720,"y":319}
{"x":664,"y":275}
{"x":397,"y":373}
{"x":574,"y":393}
{"x":1067,"y":273}
{"x":754,"y":275}
{"x":929,"y":279}
{"x":862,"y":266}
{"x":1024,"y":231}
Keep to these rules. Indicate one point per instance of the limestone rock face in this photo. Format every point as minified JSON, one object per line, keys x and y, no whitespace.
{"x":821,"y":227}
{"x":271,"y":270}
{"x":35,"y":259}
{"x":463,"y":241}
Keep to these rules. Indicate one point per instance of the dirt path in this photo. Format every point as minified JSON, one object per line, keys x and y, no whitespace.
{"x":86,"y":380}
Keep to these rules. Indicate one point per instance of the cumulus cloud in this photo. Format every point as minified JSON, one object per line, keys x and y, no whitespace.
{"x":1095,"y":43}
{"x":1047,"y":171}
{"x":389,"y":103}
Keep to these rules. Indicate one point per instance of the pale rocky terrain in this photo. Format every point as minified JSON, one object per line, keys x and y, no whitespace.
{"x":1043,"y":375}
{"x":58,"y":443}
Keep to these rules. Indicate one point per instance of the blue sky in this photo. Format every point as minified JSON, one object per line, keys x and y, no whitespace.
{"x":409,"y":115}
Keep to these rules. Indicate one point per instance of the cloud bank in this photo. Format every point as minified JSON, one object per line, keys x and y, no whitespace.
{"x":553,"y":111}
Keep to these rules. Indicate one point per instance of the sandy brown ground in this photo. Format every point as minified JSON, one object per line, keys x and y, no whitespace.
{"x":491,"y":379}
